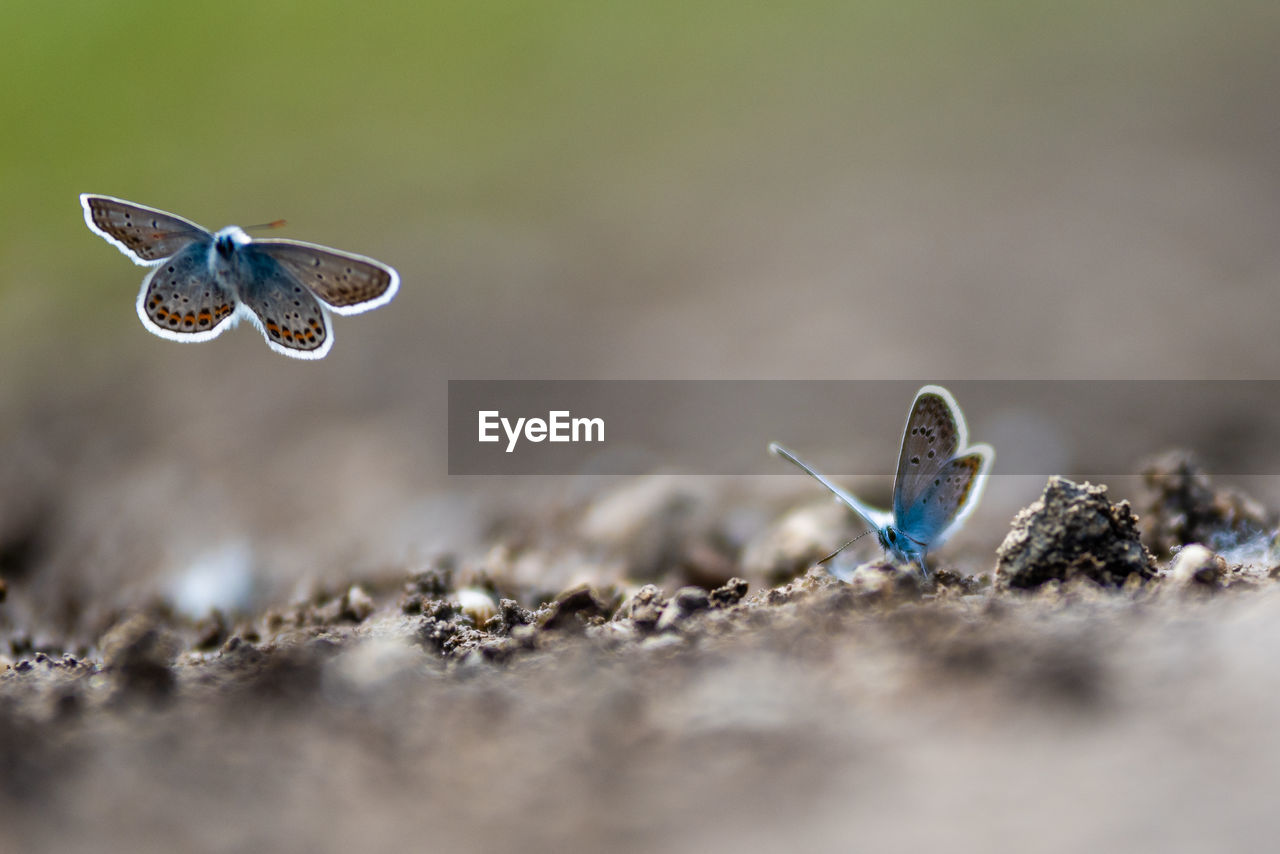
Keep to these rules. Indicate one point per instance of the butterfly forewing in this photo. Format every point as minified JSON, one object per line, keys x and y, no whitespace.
{"x":934,"y":433}
{"x":947,"y":498}
{"x":180,"y":300}
{"x":347,"y":283}
{"x":292,"y":320}
{"x":878,"y":519}
{"x":144,"y":234}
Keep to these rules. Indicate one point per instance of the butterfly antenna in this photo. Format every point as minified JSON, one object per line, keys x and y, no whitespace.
{"x":842,"y":548}
{"x":275,"y":223}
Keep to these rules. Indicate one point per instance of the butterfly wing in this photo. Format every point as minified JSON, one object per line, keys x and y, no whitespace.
{"x":181,"y":301}
{"x":948,"y":498}
{"x":146,"y":235}
{"x":347,"y":283}
{"x":292,"y":320}
{"x":877,"y":519}
{"x":935,"y":432}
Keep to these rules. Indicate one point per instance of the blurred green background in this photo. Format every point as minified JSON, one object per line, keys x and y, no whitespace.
{"x":661,"y":136}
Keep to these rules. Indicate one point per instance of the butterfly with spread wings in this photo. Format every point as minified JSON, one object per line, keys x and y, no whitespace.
{"x":202,"y":283}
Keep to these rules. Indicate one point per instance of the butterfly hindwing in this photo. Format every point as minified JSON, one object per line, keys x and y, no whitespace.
{"x":292,"y":320}
{"x":181,"y":301}
{"x":947,"y":499}
{"x":146,"y":235}
{"x":347,"y":283}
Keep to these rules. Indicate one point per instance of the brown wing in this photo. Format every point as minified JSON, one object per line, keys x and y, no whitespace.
{"x":181,"y":301}
{"x":348,"y":283}
{"x":948,"y":498}
{"x":292,"y":320}
{"x":145,"y":234}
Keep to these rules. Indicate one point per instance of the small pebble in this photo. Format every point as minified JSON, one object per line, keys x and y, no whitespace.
{"x":357,"y":604}
{"x":1196,"y":566}
{"x":685,"y":602}
{"x":573,"y":610}
{"x":476,"y":604}
{"x":644,"y":609}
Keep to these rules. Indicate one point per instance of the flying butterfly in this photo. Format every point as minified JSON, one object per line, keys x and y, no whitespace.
{"x":202,"y":283}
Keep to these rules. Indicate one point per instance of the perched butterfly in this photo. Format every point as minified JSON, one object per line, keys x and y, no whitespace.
{"x":938,"y":483}
{"x":202,"y":282}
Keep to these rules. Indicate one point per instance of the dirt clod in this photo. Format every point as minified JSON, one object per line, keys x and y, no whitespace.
{"x":1071,"y":531}
{"x":574,"y":610}
{"x":730,"y":594}
{"x":434,"y":582}
{"x":509,"y":615}
{"x":1180,"y":505}
{"x":686,"y":602}
{"x":140,"y":651}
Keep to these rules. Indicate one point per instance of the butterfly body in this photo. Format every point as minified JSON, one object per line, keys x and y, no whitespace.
{"x":901,"y":546}
{"x":938,"y":482}
{"x":202,"y":283}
